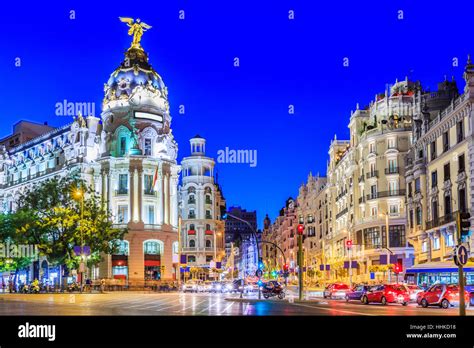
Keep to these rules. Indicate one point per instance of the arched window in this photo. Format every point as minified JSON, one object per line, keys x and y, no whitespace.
{"x":153,"y":247}
{"x":192,"y":243}
{"x":208,"y":227}
{"x":191,"y":227}
{"x":208,"y":243}
{"x":122,"y":247}
{"x":122,"y":136}
{"x":191,"y":190}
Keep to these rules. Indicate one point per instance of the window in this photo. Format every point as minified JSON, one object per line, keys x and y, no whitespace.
{"x":462,"y":200}
{"x":433,"y":150}
{"x":410,"y":190}
{"x":191,"y":258}
{"x":392,"y":143}
{"x":123,"y":146}
{"x":393,"y":209}
{"x":434,"y":210}
{"x":373,"y":211}
{"x":449,"y":239}
{"x":208,"y":214}
{"x":424,"y":246}
{"x":191,"y":227}
{"x":148,"y":183}
{"x":460,"y":131}
{"x":372,"y":148}
{"x":191,"y":214}
{"x":152,"y":247}
{"x":373,"y":191}
{"x":123,"y":183}
{"x":393,"y":188}
{"x":446,"y":141}
{"x":151,"y":214}
{"x":147,"y":147}
{"x":209,"y":258}
{"x":397,"y":236}
{"x":434,"y":179}
{"x":447,"y":172}
{"x":461,"y":164}
{"x":372,"y":238}
{"x":417,"y":185}
{"x":192,"y":243}
{"x":208,"y":243}
{"x":121,"y":247}
{"x":122,"y":214}
{"x":447,"y":205}
{"x":436,"y":244}
{"x":411,"y":218}
{"x":418,"y":215}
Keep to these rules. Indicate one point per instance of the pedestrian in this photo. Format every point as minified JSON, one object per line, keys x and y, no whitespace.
{"x":102,"y":285}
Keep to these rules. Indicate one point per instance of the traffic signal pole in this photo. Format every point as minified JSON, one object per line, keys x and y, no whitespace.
{"x":300,"y":266}
{"x":462,"y":302}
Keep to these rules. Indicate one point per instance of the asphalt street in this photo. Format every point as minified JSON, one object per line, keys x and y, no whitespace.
{"x":134,"y":303}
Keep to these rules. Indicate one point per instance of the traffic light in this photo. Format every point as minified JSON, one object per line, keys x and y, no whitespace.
{"x":463,"y":224}
{"x":300,"y":229}
{"x":261,"y":266}
{"x":349,"y":244}
{"x":398,"y":268}
{"x":286,"y":267}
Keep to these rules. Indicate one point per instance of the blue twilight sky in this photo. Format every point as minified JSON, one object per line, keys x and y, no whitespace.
{"x":282,"y":62}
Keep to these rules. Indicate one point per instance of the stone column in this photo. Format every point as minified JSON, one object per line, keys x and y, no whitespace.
{"x":131,"y":192}
{"x":140,"y":195}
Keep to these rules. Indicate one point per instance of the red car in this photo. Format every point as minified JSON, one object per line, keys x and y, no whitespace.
{"x":336,"y":290}
{"x":389,"y":293}
{"x":443,"y":295}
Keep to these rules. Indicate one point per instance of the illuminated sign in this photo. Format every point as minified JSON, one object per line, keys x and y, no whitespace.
{"x":148,"y":116}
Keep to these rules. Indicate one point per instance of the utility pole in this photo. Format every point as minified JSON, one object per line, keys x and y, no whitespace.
{"x":300,"y":230}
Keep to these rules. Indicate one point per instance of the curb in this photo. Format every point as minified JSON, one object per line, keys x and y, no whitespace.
{"x":252,"y":300}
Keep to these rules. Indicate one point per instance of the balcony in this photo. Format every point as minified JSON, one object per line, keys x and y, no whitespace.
{"x":149,"y":192}
{"x":121,"y":191}
{"x":446,"y":219}
{"x":373,"y":174}
{"x":383,"y":194}
{"x":191,"y":216}
{"x":208,"y":201}
{"x":342,"y":212}
{"x":191,"y":201}
{"x":209,"y":216}
{"x":392,"y":170}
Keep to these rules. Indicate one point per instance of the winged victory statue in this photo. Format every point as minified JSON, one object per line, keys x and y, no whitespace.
{"x":137,"y":28}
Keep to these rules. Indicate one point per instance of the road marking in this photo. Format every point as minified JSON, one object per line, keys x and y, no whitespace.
{"x":226,"y":308}
{"x":193,"y":305}
{"x":335,"y":310}
{"x":208,"y":308}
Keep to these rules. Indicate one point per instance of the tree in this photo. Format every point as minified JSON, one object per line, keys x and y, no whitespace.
{"x":50,"y":218}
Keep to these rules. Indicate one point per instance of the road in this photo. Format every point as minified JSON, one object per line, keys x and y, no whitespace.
{"x":178,"y":304}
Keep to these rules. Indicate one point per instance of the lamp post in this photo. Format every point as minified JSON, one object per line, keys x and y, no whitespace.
{"x":215,"y":249}
{"x":79,"y":193}
{"x":178,"y":267}
{"x":300,"y":230}
{"x":388,"y":246}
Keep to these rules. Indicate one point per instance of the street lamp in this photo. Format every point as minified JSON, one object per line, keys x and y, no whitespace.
{"x":388,"y":246}
{"x":79,"y":194}
{"x":215,"y":249}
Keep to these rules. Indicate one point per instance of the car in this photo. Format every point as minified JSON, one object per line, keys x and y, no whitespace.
{"x":336,"y":290}
{"x":192,"y":286}
{"x":413,"y":290}
{"x":356,"y":292}
{"x":387,"y":293}
{"x":206,"y":286}
{"x":442,"y":295}
{"x":216,"y":287}
{"x":230,"y":287}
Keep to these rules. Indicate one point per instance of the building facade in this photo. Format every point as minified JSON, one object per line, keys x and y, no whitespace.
{"x":201,"y":206}
{"x":439,"y":178}
{"x":128,"y":156}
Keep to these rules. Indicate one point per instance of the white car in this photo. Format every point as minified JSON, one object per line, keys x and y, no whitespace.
{"x":192,"y":286}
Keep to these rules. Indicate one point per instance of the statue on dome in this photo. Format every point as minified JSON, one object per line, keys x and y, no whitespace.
{"x":136,"y":30}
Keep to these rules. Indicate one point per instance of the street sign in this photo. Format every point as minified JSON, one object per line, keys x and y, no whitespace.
{"x":461,"y":255}
{"x":372,"y":275}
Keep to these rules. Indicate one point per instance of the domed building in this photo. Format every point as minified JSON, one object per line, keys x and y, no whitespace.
{"x":128,"y":155}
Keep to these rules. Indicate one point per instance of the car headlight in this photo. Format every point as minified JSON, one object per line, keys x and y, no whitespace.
{"x":218,"y":287}
{"x":229,"y":286}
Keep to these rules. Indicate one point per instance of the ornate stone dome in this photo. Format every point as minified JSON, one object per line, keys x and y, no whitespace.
{"x":133,"y":71}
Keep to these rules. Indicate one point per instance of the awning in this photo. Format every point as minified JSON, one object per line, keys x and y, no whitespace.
{"x":152,"y":263}
{"x":438,"y":267}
